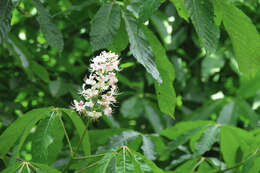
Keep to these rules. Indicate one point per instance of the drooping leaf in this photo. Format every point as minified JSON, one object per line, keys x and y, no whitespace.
{"x":51,"y":32}
{"x":20,"y":130}
{"x":165,"y":92}
{"x":48,"y":132}
{"x":139,"y":47}
{"x":201,"y":12}
{"x":148,"y":148}
{"x":5,"y":18}
{"x":209,"y":137}
{"x":243,"y":34}
{"x":181,"y":9}
{"x":104,"y":28}
{"x":80,"y":127}
{"x":12,"y":169}
{"x":186,"y":167}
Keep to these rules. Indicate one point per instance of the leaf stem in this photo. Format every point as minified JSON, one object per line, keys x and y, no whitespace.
{"x":66,"y":135}
{"x":86,"y":157}
{"x":77,"y":149}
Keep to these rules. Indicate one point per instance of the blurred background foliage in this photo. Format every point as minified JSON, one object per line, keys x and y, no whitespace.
{"x":35,"y":72}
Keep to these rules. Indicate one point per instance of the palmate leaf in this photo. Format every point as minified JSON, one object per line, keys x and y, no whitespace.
{"x":165,"y":92}
{"x":139,"y":47}
{"x":201,"y":13}
{"x":5,"y":18}
{"x":244,"y":36}
{"x":105,"y":26}
{"x":123,"y":160}
{"x":148,"y":148}
{"x":49,"y":29}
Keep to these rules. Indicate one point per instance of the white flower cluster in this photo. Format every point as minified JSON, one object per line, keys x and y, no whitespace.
{"x":99,"y":89}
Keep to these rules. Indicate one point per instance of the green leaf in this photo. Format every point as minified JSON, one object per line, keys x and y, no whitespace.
{"x":49,"y":131}
{"x":233,"y":141}
{"x":208,"y":138}
{"x":147,"y":8}
{"x":148,"y":148}
{"x":120,"y":41}
{"x":103,"y":136}
{"x":152,"y":115}
{"x":40,"y":71}
{"x":165,"y":92}
{"x":243,"y":34}
{"x":5,"y":18}
{"x":45,"y":168}
{"x":125,"y":163}
{"x":20,"y":129}
{"x":12,"y":169}
{"x":80,"y":127}
{"x":181,"y":9}
{"x":246,"y":110}
{"x":49,"y":29}
{"x":186,"y":167}
{"x":228,"y":114}
{"x":58,"y":88}
{"x":182,"y":128}
{"x":139,"y":47}
{"x":249,"y":87}
{"x":183,"y":138}
{"x":201,"y":12}
{"x":132,"y":107}
{"x":251,"y":165}
{"x":146,"y":164}
{"x":104,"y":28}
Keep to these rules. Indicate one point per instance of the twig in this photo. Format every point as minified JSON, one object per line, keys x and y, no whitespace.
{"x":86,"y":157}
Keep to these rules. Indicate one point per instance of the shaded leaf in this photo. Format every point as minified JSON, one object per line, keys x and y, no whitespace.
{"x":139,"y":47}
{"x":147,"y":9}
{"x":45,"y":168}
{"x":104,"y":28}
{"x":51,"y":32}
{"x":5,"y":18}
{"x":201,"y":12}
{"x":40,"y":71}
{"x":132,"y":107}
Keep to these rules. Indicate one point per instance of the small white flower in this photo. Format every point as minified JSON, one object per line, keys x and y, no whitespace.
{"x":78,"y":106}
{"x":108,"y":110}
{"x":89,"y":104}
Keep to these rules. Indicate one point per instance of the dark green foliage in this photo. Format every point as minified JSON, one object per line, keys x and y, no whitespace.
{"x":194,"y":107}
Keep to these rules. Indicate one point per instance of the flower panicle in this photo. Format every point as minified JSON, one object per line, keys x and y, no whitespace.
{"x":99,"y":88}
